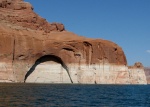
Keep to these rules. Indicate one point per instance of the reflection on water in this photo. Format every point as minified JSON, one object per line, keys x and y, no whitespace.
{"x":74,"y":95}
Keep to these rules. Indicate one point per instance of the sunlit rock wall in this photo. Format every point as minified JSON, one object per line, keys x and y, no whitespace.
{"x":99,"y":74}
{"x":48,"y":72}
{"x":137,"y":76}
{"x":6,"y":72}
{"x":25,"y":38}
{"x":93,"y":74}
{"x":147,"y":73}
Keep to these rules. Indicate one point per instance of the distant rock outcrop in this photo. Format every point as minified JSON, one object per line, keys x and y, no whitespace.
{"x":137,"y":74}
{"x":33,"y":50}
{"x":147,"y":73}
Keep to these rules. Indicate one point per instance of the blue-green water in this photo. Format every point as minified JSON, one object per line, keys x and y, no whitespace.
{"x":69,"y":95}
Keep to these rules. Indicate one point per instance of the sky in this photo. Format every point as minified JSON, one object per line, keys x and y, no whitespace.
{"x":125,"y":22}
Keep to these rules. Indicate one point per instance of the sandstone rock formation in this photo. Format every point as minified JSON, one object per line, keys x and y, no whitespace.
{"x":33,"y":50}
{"x":137,"y":74}
{"x":147,"y":73}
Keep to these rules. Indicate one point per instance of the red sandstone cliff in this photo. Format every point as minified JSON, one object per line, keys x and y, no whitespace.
{"x":26,"y":38}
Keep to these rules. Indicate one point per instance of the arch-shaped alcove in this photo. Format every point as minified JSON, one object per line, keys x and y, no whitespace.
{"x":48,"y":69}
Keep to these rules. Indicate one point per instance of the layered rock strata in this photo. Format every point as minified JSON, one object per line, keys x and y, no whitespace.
{"x":35,"y":51}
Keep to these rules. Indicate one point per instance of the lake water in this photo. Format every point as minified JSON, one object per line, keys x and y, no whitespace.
{"x":73,"y":95}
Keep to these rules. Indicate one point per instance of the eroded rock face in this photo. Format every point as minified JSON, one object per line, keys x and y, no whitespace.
{"x":15,"y":4}
{"x":137,"y":74}
{"x":33,"y":50}
{"x":147,"y":73}
{"x":21,"y":13}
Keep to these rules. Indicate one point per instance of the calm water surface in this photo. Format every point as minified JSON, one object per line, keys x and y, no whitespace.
{"x":66,"y":95}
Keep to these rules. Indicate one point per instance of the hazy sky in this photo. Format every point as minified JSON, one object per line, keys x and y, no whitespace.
{"x":125,"y":22}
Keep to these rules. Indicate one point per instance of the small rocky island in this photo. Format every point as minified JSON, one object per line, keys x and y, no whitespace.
{"x":33,"y":50}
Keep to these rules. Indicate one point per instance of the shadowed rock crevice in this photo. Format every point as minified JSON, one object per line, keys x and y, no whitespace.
{"x":45,"y":59}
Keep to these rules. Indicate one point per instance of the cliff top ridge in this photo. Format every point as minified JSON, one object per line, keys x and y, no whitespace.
{"x":21,"y":13}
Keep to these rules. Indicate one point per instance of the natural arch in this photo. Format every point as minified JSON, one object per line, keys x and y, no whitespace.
{"x":46,"y":67}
